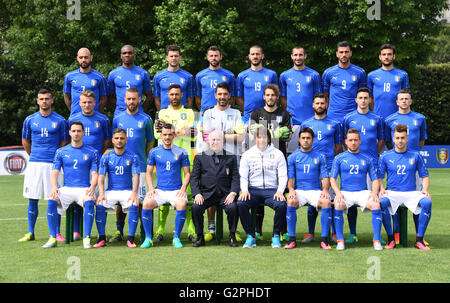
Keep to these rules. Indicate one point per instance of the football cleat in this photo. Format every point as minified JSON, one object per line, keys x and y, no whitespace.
{"x":259,"y":237}
{"x":76,"y":236}
{"x":308,"y":238}
{"x":209,"y":237}
{"x":291,"y":245}
{"x":100,"y":243}
{"x":250,"y":242}
{"x":60,"y":238}
{"x":117,"y":237}
{"x":87,"y":243}
{"x":276,"y":241}
{"x":340,"y":245}
{"x":177,"y":243}
{"x":325,"y":246}
{"x":27,"y":237}
{"x":397,"y":238}
{"x":377,"y":245}
{"x":131,"y":244}
{"x":390,"y":245}
{"x":351,"y":239}
{"x":147,"y":243}
{"x":50,"y":243}
{"x":421,"y":246}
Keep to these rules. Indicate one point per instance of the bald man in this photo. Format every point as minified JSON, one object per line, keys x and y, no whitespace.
{"x":126,"y":76}
{"x":84,"y":78}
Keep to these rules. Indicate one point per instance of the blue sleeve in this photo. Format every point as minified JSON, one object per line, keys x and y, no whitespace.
{"x":380,"y":129}
{"x":323,"y":167}
{"x":190,"y":87}
{"x":370,"y":84}
{"x":326,"y":82}
{"x":107,"y":132}
{"x":345,"y":127}
{"x":362,"y":79}
{"x":405,"y":81}
{"x":387,"y":132}
{"x":283,"y":85}
{"x":64,"y":131}
{"x":149,"y":130}
{"x":232,"y":85}
{"x":381,"y":168}
{"x":94,"y":161}
{"x":156,"y":87}
{"x":147,"y":84}
{"x":372,"y":170}
{"x":67,"y":87}
{"x":335,"y":168}
{"x":185,"y":159}
{"x":291,"y":167}
{"x":274,"y":78}
{"x":151,"y":158}
{"x":135,"y":166}
{"x":103,"y":87}
{"x":26,"y":131}
{"x":421,"y":168}
{"x":339,"y":134}
{"x":57,"y":162}
{"x":110,"y":85}
{"x":102,"y":167}
{"x":198,"y":86}
{"x":423,"y":130}
{"x":317,"y":87}
{"x":239,"y":86}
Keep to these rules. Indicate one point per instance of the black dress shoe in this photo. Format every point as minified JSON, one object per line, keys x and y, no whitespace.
{"x":233,"y":242}
{"x":199,"y":242}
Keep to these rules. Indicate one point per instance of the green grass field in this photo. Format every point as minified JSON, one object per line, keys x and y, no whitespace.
{"x":28,"y":262}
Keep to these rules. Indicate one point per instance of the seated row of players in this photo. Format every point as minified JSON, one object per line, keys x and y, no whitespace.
{"x":132,"y":99}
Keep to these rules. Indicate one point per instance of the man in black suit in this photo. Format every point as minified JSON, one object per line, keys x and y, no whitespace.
{"x":215,"y":181}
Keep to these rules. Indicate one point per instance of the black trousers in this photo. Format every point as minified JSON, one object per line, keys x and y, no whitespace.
{"x":219,"y":200}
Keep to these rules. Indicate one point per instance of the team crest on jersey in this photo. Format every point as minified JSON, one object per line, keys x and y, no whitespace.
{"x":183,"y":116}
{"x":271,"y":156}
{"x":397,"y":78}
{"x":415,"y":122}
{"x":86,"y":157}
{"x":354,"y":78}
{"x":372,"y":122}
{"x":93,"y":82}
{"x":442,"y":155}
{"x":308,"y":79}
{"x":266,"y":78}
{"x":128,"y":162}
{"x":329,"y":126}
{"x":54,"y":124}
{"x":229,"y":117}
{"x":363,"y":162}
{"x":224,"y":78}
{"x":177,"y":157}
{"x":138,"y":77}
{"x":140,"y":124}
{"x":411,"y":161}
{"x":316,"y":160}
{"x":97,"y":124}
{"x":279,"y":119}
{"x":182,"y":80}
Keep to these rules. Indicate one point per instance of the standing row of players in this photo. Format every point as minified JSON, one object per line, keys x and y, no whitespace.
{"x":225,"y":119}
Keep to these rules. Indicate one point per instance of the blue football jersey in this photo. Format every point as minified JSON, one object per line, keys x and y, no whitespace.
{"x":45,"y":134}
{"x":371,"y":130}
{"x":119,"y":169}
{"x":250,"y":85}
{"x":353,"y":169}
{"x":417,"y":128}
{"x":206,"y":82}
{"x":97,"y":128}
{"x":139,"y":128}
{"x":122,"y":78}
{"x":307,"y":168}
{"x":327,"y":133}
{"x":163,"y":79}
{"x":77,"y":164}
{"x":342,"y":84}
{"x":76,"y":81}
{"x":299,"y":88}
{"x":168,"y":163}
{"x":384,"y":86}
{"x":400,"y":169}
